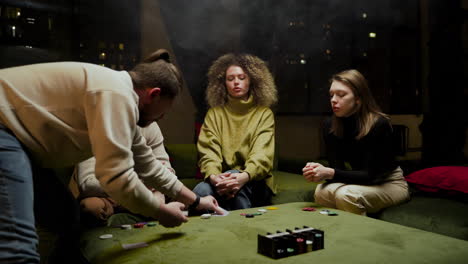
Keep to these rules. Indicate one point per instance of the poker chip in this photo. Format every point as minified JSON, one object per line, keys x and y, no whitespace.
{"x":139,"y":225}
{"x":126,"y":227}
{"x":242,"y":214}
{"x":205,"y":216}
{"x":325,"y":212}
{"x":272,"y":208}
{"x":332,"y":213}
{"x":106,"y":236}
{"x":151,"y":224}
{"x":249,"y":215}
{"x":309,"y":209}
{"x":309,"y":245}
{"x":262,"y":210}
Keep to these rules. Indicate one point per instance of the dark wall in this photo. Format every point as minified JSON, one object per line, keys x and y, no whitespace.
{"x":200,"y":31}
{"x":303,"y":41}
{"x":445,"y":123}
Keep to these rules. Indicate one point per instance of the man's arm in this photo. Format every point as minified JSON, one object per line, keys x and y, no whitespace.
{"x":88,"y":185}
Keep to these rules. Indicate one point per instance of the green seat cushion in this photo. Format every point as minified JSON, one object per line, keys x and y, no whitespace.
{"x":292,"y":188}
{"x":190,"y":183}
{"x":183,"y":159}
{"x":438,"y":215}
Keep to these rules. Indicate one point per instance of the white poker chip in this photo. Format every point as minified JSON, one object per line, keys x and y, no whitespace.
{"x":106,"y":236}
{"x":262,"y":210}
{"x":325,"y":212}
{"x":126,"y":227}
{"x":205,"y":216}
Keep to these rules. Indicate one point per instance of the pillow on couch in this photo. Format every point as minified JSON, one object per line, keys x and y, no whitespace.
{"x":446,"y":179}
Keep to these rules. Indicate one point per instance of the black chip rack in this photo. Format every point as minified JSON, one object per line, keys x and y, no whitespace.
{"x":291,"y":242}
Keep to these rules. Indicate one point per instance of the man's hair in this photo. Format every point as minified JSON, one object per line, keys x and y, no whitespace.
{"x":158,"y":71}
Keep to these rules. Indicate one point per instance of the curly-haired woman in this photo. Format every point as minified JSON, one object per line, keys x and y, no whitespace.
{"x":236,"y":142}
{"x":360,"y":134}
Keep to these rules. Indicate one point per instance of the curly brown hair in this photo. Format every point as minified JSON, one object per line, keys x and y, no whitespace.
{"x":262,"y":85}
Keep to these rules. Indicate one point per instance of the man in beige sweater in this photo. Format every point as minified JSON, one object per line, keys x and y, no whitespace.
{"x":59,"y":114}
{"x":95,"y":204}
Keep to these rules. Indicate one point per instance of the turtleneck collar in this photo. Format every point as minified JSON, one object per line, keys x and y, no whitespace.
{"x":350,"y":125}
{"x":240,"y":106}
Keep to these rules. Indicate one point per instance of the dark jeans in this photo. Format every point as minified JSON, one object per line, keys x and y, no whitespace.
{"x":29,"y":195}
{"x":252,"y":194}
{"x":18,"y":238}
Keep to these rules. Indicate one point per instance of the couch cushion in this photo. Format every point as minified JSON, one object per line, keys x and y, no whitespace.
{"x":183,"y":159}
{"x":190,"y":183}
{"x":292,"y":188}
{"x":435,"y":214}
{"x":446,"y":179}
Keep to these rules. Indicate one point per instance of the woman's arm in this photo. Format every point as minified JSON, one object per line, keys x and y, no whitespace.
{"x":259,"y":162}
{"x":209,"y":147}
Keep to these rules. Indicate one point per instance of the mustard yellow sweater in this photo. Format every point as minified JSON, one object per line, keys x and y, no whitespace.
{"x":241,"y":136}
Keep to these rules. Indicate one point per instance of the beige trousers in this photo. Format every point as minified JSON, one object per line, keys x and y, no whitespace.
{"x":363,"y":199}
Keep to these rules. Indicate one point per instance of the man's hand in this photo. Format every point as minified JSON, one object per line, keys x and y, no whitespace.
{"x":171,"y":215}
{"x":209,"y":203}
{"x":316,"y":172}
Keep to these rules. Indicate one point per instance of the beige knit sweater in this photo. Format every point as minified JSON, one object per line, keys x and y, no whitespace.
{"x":88,"y":184}
{"x":66,"y":112}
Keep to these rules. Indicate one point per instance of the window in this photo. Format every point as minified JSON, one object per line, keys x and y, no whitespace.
{"x":305,"y":42}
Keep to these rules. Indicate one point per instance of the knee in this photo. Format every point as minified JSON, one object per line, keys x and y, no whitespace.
{"x":350,"y":200}
{"x":318,"y":194}
{"x":240,"y":201}
{"x":203,"y":189}
{"x":346,"y":194}
{"x":322,"y":195}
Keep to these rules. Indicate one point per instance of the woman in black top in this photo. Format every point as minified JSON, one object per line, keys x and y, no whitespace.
{"x":362,"y":176}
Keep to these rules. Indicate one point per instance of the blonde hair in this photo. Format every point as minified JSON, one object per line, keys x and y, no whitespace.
{"x":367,"y":112}
{"x":158,"y":71}
{"x":262,"y":85}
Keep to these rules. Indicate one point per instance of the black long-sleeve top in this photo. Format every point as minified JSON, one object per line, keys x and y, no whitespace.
{"x":370,"y":157}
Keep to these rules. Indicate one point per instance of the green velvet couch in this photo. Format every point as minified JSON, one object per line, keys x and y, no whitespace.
{"x":291,"y":186}
{"x":443,"y":215}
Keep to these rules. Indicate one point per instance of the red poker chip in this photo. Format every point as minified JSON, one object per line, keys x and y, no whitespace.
{"x":139,"y":225}
{"x":309,"y":209}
